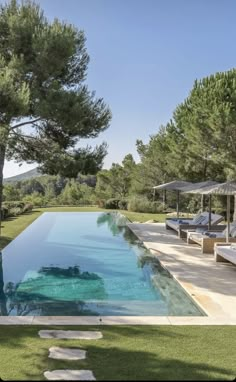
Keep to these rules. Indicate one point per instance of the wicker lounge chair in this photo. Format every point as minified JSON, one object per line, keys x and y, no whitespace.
{"x":225,"y":253}
{"x":207,"y":239}
{"x":200,"y":221}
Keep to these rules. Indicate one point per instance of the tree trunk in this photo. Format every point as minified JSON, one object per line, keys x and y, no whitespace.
{"x":234,"y":218}
{"x":164,"y":198}
{"x":2,"y":159}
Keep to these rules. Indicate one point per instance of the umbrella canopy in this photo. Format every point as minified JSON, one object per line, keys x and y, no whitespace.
{"x":175,"y":185}
{"x":196,"y":186}
{"x":227,"y":188}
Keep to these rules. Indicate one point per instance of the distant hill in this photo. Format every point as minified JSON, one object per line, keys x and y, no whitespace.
{"x":24,"y":176}
{"x":90,"y":180}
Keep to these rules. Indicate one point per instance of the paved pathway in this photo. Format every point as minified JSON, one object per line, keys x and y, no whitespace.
{"x":56,"y":352}
{"x":69,"y":354}
{"x":69,"y":375}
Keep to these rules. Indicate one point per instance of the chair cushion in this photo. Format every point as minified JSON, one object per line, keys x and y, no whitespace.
{"x":197,"y":217}
{"x":233,"y":231}
{"x":201,"y":220}
{"x":200,"y":230}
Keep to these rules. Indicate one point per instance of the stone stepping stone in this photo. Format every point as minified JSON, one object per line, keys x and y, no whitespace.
{"x":66,"y":353}
{"x":70,"y":334}
{"x":69,"y":375}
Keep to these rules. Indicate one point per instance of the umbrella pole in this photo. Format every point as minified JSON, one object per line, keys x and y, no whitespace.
{"x":164,"y":198}
{"x":202,"y":203}
{"x":177,"y":204}
{"x":228,"y":219}
{"x":209,"y":222}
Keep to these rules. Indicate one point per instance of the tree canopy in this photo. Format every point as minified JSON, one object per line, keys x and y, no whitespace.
{"x":46,"y":108}
{"x":45,"y":105}
{"x":197,"y":144}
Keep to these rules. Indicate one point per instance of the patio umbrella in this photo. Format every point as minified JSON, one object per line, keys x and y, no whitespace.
{"x":228,"y":189}
{"x":196,"y":186}
{"x":175,"y":185}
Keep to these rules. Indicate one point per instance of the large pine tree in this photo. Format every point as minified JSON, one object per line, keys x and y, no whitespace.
{"x":45,"y":106}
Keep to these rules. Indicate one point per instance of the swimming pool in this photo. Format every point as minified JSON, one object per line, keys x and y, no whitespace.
{"x":86,"y":263}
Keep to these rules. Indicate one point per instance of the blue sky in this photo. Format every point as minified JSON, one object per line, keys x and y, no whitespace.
{"x":144,"y":58}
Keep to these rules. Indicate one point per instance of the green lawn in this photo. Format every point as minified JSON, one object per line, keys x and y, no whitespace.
{"x":13,"y":226}
{"x":126,"y":353}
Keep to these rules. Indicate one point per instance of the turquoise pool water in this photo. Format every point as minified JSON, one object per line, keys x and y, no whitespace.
{"x":73,"y":264}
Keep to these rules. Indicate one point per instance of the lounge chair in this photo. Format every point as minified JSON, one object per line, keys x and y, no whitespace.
{"x":200,"y":221}
{"x":225,"y":253}
{"x":207,"y":239}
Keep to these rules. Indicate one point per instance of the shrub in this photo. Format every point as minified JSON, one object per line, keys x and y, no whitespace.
{"x":12,"y":209}
{"x":123,"y":204}
{"x":219,"y":204}
{"x":15,"y":204}
{"x":142,"y":204}
{"x":54,"y":202}
{"x":28,"y":207}
{"x":36,"y":199}
{"x":15,"y":211}
{"x":112,"y":203}
{"x":139,"y":204}
{"x":158,"y":207}
{"x":101,"y":203}
{"x":194,"y":204}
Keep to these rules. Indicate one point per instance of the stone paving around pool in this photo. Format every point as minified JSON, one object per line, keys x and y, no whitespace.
{"x":212,"y":285}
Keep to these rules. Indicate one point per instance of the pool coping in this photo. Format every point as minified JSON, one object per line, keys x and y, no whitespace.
{"x":212,"y":318}
{"x":113,"y":320}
